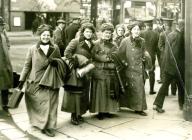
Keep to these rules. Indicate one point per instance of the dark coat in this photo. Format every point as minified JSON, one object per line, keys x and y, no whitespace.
{"x":71,"y":31}
{"x":59,"y":39}
{"x":151,"y":41}
{"x":6,"y":72}
{"x":177,"y":48}
{"x":134,"y":97}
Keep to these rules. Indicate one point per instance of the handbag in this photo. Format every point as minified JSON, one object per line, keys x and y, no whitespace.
{"x":15,"y":98}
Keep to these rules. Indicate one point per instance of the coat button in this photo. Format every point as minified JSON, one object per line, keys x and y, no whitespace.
{"x":132,"y":66}
{"x":133,"y":49}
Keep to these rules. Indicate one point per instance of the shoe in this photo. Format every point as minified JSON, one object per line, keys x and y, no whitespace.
{"x":6,"y":109}
{"x":152,"y":92}
{"x":160,"y":81}
{"x":158,"y":109}
{"x":142,"y":113}
{"x":48,"y":132}
{"x":74,"y":119}
{"x":80,"y":118}
{"x":100,"y":116}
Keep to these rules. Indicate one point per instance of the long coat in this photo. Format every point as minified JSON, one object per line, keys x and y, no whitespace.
{"x":41,"y":101}
{"x":71,"y":31}
{"x":59,"y":39}
{"x":134,"y":98}
{"x":105,"y":86}
{"x":174,"y":52}
{"x":6,"y":72}
{"x":77,"y":101}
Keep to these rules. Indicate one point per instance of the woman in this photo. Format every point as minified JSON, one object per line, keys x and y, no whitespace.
{"x":120,"y":31}
{"x":132,"y":50}
{"x":104,"y":88}
{"x":42,"y":86}
{"x":76,"y":96}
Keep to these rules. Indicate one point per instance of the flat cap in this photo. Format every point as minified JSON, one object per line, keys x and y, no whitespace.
{"x":61,"y":21}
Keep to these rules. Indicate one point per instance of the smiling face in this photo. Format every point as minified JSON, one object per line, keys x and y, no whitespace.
{"x":135,"y":31}
{"x":45,"y":36}
{"x":120,"y":31}
{"x":88,"y":33}
{"x":106,"y":34}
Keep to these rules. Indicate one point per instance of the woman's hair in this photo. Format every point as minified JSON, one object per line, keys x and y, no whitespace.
{"x":119,"y":26}
{"x":87,"y":25}
{"x":44,"y":27}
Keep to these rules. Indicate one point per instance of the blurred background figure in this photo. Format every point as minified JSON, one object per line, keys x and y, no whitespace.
{"x":119,"y":34}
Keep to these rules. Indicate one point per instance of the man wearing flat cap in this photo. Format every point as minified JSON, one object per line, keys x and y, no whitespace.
{"x":6,"y":71}
{"x":59,"y":36}
{"x":151,"y":39}
{"x":72,"y":29}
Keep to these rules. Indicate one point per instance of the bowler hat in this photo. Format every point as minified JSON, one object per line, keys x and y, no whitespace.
{"x":2,"y":22}
{"x":61,"y":21}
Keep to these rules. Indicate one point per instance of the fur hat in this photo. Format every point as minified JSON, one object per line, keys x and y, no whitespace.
{"x":133,"y":24}
{"x":107,"y":26}
{"x":87,"y":25}
{"x":44,"y":27}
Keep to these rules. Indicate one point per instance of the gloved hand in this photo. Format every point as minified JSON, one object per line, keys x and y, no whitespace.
{"x":53,"y":62}
{"x":20,"y":85}
{"x":73,"y":63}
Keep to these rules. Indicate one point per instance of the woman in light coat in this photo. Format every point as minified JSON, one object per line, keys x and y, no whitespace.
{"x":42,"y":86}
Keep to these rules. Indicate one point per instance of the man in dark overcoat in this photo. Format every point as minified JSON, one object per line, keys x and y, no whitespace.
{"x":151,"y":39}
{"x":6,"y":72}
{"x":72,"y":29}
{"x":161,"y":45}
{"x":59,"y":37}
{"x":174,"y":62}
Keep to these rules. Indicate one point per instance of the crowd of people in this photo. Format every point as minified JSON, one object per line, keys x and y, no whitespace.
{"x":99,"y":72}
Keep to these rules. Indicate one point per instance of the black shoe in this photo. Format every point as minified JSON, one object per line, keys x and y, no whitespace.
{"x":74,"y":119}
{"x":158,"y":109}
{"x":108,"y":115}
{"x":48,"y":132}
{"x":100,"y":116}
{"x":142,"y":113}
{"x":152,"y":92}
{"x":80,"y":118}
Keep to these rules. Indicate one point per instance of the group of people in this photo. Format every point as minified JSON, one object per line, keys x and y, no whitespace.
{"x":99,"y":73}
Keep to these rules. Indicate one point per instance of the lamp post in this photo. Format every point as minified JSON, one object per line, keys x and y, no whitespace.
{"x":187,"y":110}
{"x":94,"y":11}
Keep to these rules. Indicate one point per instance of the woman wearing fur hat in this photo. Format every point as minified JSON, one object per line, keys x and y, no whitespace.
{"x":76,"y":96}
{"x":105,"y":87}
{"x":42,"y":85}
{"x":132,"y":51}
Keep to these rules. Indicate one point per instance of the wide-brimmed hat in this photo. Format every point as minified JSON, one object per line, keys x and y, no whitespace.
{"x":107,"y":26}
{"x":61,"y":21}
{"x":168,"y":21}
{"x":2,"y":22}
{"x":44,"y":27}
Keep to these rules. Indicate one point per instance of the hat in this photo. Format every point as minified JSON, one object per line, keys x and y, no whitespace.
{"x":61,"y":21}
{"x":76,"y":18}
{"x":107,"y":26}
{"x":148,"y":22}
{"x":87,"y":25}
{"x":2,"y":22}
{"x":44,"y":27}
{"x":133,"y":24}
{"x":167,"y":21}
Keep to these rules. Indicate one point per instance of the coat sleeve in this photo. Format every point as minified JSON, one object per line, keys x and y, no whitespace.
{"x":57,"y":37}
{"x":70,"y":49}
{"x":27,"y":66}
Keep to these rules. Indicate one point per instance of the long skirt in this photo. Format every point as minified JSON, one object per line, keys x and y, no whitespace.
{"x":104,"y":85}
{"x":75,"y":102}
{"x":42,"y":104}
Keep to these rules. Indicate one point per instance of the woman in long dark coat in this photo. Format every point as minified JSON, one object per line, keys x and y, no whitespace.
{"x":40,"y":96}
{"x":76,"y":96}
{"x":132,"y":50}
{"x":104,"y":80}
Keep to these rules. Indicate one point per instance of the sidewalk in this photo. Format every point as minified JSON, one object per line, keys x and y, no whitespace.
{"x":126,"y":125}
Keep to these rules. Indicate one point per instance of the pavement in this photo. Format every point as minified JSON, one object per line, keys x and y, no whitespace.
{"x":125,"y":125}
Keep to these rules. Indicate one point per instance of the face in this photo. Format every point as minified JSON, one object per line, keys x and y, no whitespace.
{"x":45,"y":36}
{"x":135,"y":31}
{"x":120,"y":31}
{"x":107,"y":35}
{"x":88,"y":33}
{"x":62,"y":25}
